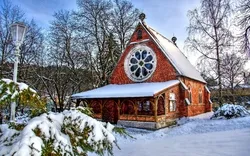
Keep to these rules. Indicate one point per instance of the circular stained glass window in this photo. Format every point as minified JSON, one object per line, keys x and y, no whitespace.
{"x":140,"y":63}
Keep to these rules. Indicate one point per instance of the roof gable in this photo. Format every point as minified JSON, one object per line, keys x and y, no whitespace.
{"x":164,"y":70}
{"x":175,"y":56}
{"x":171,"y":62}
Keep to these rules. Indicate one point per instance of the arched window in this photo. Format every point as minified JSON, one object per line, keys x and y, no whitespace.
{"x":140,"y":63}
{"x":96,"y":107}
{"x":172,"y":102}
{"x":127,"y":107}
{"x":139,"y":34}
{"x":161,"y":105}
{"x":189,"y":94}
{"x":84,"y":103}
{"x":200,"y":96}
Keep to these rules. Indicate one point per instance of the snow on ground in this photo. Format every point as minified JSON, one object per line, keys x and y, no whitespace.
{"x":195,"y":136}
{"x":224,"y":143}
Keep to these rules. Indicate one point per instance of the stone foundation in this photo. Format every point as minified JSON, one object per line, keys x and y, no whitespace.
{"x":146,"y":125}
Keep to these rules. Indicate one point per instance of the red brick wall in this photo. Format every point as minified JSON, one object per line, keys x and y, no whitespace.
{"x":182,"y":109}
{"x":195,"y":107}
{"x":164,"y":70}
{"x":174,"y":114}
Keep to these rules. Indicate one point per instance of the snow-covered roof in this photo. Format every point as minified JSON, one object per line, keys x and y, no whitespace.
{"x":187,"y":101}
{"x":207,"y":89}
{"x":175,"y":56}
{"x":183,"y":85}
{"x":126,"y":90}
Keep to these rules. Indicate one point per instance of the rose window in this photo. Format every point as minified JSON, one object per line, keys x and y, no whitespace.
{"x":140,"y":63}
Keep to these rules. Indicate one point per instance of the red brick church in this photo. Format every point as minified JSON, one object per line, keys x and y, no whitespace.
{"x":152,"y":85}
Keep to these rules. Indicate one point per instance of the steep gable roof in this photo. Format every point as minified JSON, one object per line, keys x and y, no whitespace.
{"x":175,"y":56}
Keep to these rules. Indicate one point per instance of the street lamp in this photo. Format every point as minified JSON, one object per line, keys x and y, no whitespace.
{"x":18,"y":31}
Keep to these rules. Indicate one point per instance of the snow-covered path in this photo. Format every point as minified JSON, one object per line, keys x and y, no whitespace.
{"x":223,"y":143}
{"x":195,"y":136}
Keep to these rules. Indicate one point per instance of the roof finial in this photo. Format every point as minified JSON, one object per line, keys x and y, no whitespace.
{"x":142,"y":16}
{"x":174,"y":39}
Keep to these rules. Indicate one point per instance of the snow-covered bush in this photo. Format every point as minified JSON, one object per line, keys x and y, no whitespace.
{"x":230,"y":111}
{"x":68,"y":133}
{"x":10,"y":91}
{"x":26,"y":97}
{"x":85,"y":110}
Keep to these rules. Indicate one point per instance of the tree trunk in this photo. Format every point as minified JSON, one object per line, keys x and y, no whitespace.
{"x":233,"y":96}
{"x":219,"y":76}
{"x":218,"y":64}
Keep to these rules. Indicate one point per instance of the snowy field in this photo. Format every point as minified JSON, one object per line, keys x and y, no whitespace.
{"x":195,"y":136}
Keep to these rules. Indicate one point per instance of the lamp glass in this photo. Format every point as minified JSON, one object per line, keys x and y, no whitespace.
{"x":18,"y":32}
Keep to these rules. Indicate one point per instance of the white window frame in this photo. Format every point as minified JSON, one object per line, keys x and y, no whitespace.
{"x":172,"y":102}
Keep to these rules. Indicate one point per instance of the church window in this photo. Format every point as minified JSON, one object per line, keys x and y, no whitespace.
{"x":140,"y":63}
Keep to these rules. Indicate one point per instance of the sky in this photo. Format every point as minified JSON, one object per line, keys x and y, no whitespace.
{"x":168,"y":17}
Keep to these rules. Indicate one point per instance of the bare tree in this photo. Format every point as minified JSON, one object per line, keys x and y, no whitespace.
{"x":108,"y":25}
{"x":209,"y":34}
{"x":65,"y":72}
{"x":94,"y":20}
{"x":232,"y":71}
{"x":30,"y":51}
{"x":124,"y":19}
{"x":243,"y":19}
{"x":208,"y":71}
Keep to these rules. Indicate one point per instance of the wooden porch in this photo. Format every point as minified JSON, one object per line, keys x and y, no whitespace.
{"x":134,"y":112}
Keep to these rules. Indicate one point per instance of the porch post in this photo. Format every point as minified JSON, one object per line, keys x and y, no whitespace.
{"x":155,"y":107}
{"x":119,"y":108}
{"x":101,"y":103}
{"x":78,"y":102}
{"x":136,"y":108}
{"x":165,"y":106}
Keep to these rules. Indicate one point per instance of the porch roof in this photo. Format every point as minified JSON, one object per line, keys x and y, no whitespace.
{"x":126,"y":90}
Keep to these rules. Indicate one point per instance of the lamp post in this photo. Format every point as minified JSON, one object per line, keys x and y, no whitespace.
{"x":18,"y":31}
